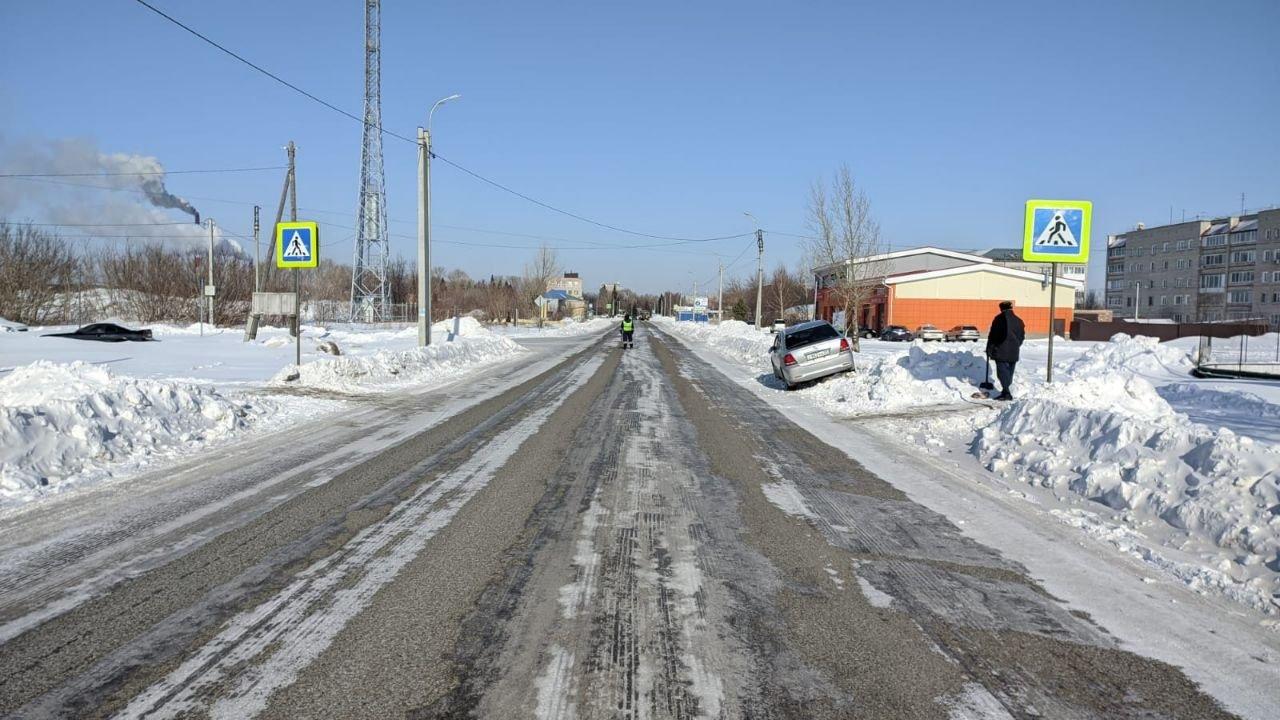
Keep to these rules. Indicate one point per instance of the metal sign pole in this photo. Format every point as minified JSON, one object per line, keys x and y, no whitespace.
{"x":1053,"y":299}
{"x":297,"y":319}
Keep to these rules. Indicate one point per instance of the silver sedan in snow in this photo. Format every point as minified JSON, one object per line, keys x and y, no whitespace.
{"x":809,"y":351}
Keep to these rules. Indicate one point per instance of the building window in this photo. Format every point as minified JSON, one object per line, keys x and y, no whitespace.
{"x":1243,"y":256}
{"x":1241,"y":238}
{"x":1164,"y":247}
{"x":1212,"y":283}
{"x":1115,"y":284}
{"x":1241,"y":277}
{"x":1115,"y":267}
{"x":1151,"y":300}
{"x":1164,"y":300}
{"x":1213,"y":260}
{"x":1213,"y":241}
{"x":1240,"y":296}
{"x":1128,"y":302}
{"x":1266,"y":277}
{"x":1113,"y":302}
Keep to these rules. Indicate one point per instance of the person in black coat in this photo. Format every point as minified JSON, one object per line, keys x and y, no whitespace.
{"x":1004,"y":341}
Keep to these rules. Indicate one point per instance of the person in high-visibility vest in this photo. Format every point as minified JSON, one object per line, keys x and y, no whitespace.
{"x":628,"y":327}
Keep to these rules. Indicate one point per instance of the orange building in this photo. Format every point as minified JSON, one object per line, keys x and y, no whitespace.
{"x":945,"y":288}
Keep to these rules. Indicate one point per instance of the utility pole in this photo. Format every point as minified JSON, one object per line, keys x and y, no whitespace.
{"x":257,"y":260}
{"x":209,"y":290}
{"x":424,"y":243}
{"x":424,"y":226}
{"x":759,"y":273}
{"x":1137,"y":301}
{"x":720,"y":296}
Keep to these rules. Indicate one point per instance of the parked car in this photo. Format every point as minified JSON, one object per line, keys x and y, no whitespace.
{"x":778,"y":326}
{"x":106,"y":332}
{"x":809,"y":351}
{"x":896,"y":333}
{"x":11,"y":326}
{"x":929,"y":333}
{"x":867,"y":333}
{"x":962,"y":333}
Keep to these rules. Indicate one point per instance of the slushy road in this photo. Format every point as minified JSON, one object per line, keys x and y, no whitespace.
{"x":625,"y":534}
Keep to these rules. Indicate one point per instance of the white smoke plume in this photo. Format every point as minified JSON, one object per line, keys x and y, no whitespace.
{"x":130,"y":189}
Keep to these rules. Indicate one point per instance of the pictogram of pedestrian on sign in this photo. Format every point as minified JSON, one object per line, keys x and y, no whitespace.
{"x":297,"y":245}
{"x":1057,"y":233}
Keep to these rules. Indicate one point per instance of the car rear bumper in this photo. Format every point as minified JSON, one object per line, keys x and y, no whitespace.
{"x":815,"y":369}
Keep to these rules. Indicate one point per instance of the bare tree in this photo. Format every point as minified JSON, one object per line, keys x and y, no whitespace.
{"x":38,"y":273}
{"x":544,"y":266}
{"x":784,"y":290}
{"x":846,"y":237}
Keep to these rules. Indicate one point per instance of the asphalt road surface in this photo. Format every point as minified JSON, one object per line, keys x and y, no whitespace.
{"x":624,"y":534}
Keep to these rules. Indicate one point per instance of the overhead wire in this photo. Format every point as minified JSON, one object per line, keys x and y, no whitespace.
{"x":447,"y":161}
{"x":148,"y":172}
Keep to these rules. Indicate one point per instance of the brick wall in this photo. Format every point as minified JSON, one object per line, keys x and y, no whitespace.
{"x":946,"y":314}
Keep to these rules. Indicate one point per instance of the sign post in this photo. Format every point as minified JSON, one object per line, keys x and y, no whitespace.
{"x":1056,"y":231}
{"x":297,"y":248}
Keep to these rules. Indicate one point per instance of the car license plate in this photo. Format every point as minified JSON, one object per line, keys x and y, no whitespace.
{"x":817,"y":354}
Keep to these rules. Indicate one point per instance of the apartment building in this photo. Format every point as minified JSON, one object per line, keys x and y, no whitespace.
{"x":1202,"y":270}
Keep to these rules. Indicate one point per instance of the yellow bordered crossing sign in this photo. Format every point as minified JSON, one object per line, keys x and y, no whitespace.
{"x":298,"y":245}
{"x":1057,"y":231}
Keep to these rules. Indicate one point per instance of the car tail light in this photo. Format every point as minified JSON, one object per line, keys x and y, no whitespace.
{"x":844,"y":344}
{"x":789,"y":360}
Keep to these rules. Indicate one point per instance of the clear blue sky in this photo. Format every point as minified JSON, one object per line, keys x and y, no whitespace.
{"x":675,"y":117}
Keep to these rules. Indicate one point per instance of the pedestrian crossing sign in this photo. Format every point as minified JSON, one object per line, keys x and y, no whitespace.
{"x":1057,"y":231}
{"x":297,"y":245}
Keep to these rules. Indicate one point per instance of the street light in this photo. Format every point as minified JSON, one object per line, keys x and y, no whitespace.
{"x":424,"y":225}
{"x":759,"y":266}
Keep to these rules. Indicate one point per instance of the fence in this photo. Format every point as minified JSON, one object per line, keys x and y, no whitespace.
{"x":1246,"y":356}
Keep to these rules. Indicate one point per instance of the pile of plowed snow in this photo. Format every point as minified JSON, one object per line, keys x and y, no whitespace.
{"x":734,"y":339}
{"x":1103,"y":433}
{"x":61,"y":421}
{"x":385,"y":369}
{"x":926,"y":375}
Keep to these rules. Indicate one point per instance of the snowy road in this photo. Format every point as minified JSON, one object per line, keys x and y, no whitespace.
{"x":616,"y":535}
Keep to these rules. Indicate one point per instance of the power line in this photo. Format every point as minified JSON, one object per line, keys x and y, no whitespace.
{"x":73,"y":225}
{"x":447,"y":161}
{"x":263,"y":70}
{"x":149,"y":172}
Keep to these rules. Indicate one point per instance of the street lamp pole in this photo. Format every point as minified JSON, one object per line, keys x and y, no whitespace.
{"x":759,"y":266}
{"x":424,"y":226}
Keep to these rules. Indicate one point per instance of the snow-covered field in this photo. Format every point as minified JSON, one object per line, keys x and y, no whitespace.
{"x":1180,"y":473}
{"x":74,"y":412}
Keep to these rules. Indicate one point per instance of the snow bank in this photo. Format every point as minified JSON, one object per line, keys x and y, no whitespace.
{"x":1105,"y":434}
{"x":923,"y":376}
{"x":384,"y":369}
{"x":734,"y":339}
{"x":62,"y":423}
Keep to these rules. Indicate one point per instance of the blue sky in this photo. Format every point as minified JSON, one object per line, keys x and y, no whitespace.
{"x":674,"y":118}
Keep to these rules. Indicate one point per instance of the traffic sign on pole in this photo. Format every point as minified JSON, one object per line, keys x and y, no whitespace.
{"x":1057,"y":231}
{"x":298,"y":245}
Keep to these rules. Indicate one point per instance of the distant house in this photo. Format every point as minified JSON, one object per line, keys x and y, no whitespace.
{"x":570,"y":301}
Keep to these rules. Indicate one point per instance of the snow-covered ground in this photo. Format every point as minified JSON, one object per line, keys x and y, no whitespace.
{"x":75,"y":412}
{"x":563,"y":328}
{"x":1180,"y":473}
